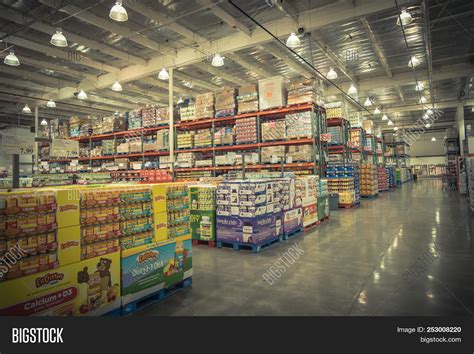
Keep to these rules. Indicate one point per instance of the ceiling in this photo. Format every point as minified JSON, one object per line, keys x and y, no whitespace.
{"x":362,"y":42}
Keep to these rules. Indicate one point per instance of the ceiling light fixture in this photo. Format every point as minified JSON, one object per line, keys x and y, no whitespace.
{"x":163,"y":75}
{"x":376,"y":110}
{"x":414,"y":62}
{"x":332,"y":74}
{"x":405,"y":18}
{"x":26,"y":109}
{"x":217,"y":60}
{"x":180,"y":100}
{"x":385,"y":117}
{"x":82,"y":95}
{"x":352,"y":90}
{"x":427,"y":125}
{"x":293,"y":41}
{"x":422,"y":100}
{"x":11,"y":59}
{"x":51,"y":104}
{"x":58,"y":39}
{"x":368,"y":102}
{"x":419,"y":86}
{"x":117,"y":87}
{"x":44,"y":122}
{"x":433,"y":139}
{"x":395,"y":128}
{"x":118,"y":12}
{"x":390,"y":122}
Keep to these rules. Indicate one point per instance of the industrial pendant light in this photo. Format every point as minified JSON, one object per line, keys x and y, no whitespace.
{"x":414,"y":62}
{"x":217,"y":60}
{"x":11,"y":59}
{"x":419,"y":86}
{"x":51,"y":104}
{"x":117,"y":87}
{"x":427,"y":125}
{"x":429,"y":111}
{"x":26,"y":109}
{"x":82,"y":95}
{"x":390,"y":122}
{"x":395,"y":128}
{"x":293,"y":41}
{"x":405,"y":18}
{"x":376,"y":110}
{"x":368,"y":102}
{"x":422,"y":100}
{"x":332,"y":74}
{"x":44,"y":122}
{"x":352,"y":90}
{"x":385,"y":117}
{"x":118,"y":12}
{"x":58,"y":39}
{"x":180,"y":100}
{"x":163,"y":75}
{"x":433,"y":139}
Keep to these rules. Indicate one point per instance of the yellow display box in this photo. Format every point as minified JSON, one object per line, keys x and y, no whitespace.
{"x":90,"y":287}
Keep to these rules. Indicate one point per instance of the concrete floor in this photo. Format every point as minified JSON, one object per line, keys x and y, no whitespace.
{"x":351,"y":265}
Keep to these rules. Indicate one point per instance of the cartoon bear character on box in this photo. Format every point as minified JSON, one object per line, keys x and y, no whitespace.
{"x":103,"y":267}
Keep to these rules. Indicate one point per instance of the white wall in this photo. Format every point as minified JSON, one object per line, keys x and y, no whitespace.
{"x":425,"y":147}
{"x":431,"y":160}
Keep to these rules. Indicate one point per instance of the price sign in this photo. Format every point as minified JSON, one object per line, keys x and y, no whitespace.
{"x":18,"y":145}
{"x":61,"y":148}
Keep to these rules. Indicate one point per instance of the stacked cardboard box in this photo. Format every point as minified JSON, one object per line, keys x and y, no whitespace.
{"x":120,"y":123}
{"x":273,"y":154}
{"x":203,"y":212}
{"x":135,"y":119}
{"x":272,"y":93}
{"x":205,"y":105}
{"x":188,"y":113}
{"x":148,"y":116}
{"x":224,"y":136}
{"x":162,"y":139}
{"x":108,"y":147}
{"x":274,"y":130}
{"x":226,"y":104}
{"x":123,"y":148}
{"x":306,"y":197}
{"x":203,"y":138}
{"x":337,"y":135}
{"x":298,"y":125}
{"x":185,"y":140}
{"x":165,"y":162}
{"x":97,"y":125}
{"x":248,"y":99}
{"x":79,"y":126}
{"x":162,"y":115}
{"x":302,"y":91}
{"x":383,"y":179}
{"x":107,"y":125}
{"x":149,"y":144}
{"x":135,"y":145}
{"x":368,"y":180}
{"x":246,"y":130}
{"x":185,"y":160}
{"x":299,"y":153}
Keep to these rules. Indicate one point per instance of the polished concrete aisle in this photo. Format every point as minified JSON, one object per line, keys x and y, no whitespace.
{"x":409,"y":252}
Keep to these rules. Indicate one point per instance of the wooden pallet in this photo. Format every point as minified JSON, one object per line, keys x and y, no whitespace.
{"x":288,"y":235}
{"x":209,"y":243}
{"x":160,"y":295}
{"x":255,"y":248}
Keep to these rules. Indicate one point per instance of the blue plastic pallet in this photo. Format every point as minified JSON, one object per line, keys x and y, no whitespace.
{"x":248,"y":246}
{"x":154,"y":298}
{"x":287,"y":235}
{"x":114,"y":313}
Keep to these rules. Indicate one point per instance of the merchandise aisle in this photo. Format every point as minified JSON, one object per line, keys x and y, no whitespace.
{"x":350,"y":262}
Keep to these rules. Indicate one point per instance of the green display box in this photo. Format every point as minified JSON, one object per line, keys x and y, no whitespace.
{"x":203,"y":225}
{"x":323,"y":207}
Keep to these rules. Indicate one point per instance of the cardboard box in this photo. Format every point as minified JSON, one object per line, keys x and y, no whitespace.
{"x":272,"y":93}
{"x":203,"y":225}
{"x":147,"y":269}
{"x":256,"y":230}
{"x":292,"y":220}
{"x":89,"y":287}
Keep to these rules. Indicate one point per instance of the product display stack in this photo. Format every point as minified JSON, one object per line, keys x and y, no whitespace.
{"x":246,"y":130}
{"x":298,"y":125}
{"x":188,"y":113}
{"x":246,"y":214}
{"x":383,"y":179}
{"x":134,"y":119}
{"x":185,"y":140}
{"x":148,"y":115}
{"x":226,"y":104}
{"x":344,"y":179}
{"x":247,"y":100}
{"x":205,"y":105}
{"x":368,"y":180}
{"x":203,"y":213}
{"x":203,"y":138}
{"x":307,"y":188}
{"x":392,"y":177}
{"x":224,"y":136}
{"x":322,"y":193}
{"x":274,"y":130}
{"x":302,"y":91}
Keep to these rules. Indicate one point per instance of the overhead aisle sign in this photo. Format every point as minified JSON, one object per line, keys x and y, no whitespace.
{"x":18,"y":144}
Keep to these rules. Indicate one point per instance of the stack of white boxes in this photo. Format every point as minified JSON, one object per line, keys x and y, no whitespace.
{"x":470,"y":180}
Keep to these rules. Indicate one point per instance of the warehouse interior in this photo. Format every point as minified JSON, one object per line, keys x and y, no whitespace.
{"x":391,"y":98}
